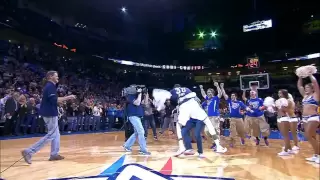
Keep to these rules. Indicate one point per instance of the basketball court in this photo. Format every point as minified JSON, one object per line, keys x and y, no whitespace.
{"x":100,"y":156}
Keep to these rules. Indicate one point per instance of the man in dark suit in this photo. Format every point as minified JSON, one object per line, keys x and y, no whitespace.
{"x":10,"y":110}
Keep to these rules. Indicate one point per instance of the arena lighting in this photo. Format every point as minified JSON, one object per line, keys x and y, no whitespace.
{"x":201,"y":35}
{"x":257,"y":25}
{"x":167,"y":67}
{"x":213,"y":34}
{"x":315,"y":55}
{"x":124,"y":9}
{"x":65,"y":47}
{"x":306,"y":57}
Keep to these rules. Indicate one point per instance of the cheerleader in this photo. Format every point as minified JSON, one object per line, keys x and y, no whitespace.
{"x":285,"y":110}
{"x":310,"y":93}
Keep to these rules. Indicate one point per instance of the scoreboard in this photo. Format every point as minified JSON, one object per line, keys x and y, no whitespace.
{"x":253,"y":62}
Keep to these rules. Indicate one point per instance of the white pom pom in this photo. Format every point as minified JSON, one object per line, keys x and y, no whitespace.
{"x":305,"y":71}
{"x":268,"y":101}
{"x":160,"y":96}
{"x":270,"y":109}
{"x":283,"y":102}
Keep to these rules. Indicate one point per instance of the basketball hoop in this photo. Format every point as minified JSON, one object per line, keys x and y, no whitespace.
{"x":254,"y":81}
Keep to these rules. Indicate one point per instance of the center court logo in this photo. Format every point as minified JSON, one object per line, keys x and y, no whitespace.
{"x":139,"y":172}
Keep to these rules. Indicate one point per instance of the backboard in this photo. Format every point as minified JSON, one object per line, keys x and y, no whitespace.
{"x":260,"y":80}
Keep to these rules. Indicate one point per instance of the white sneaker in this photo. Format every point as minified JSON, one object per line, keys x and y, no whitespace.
{"x":221,"y":149}
{"x":317,"y":160}
{"x":189,"y":152}
{"x":290,"y":151}
{"x":284,"y":153}
{"x":179,"y":152}
{"x":201,"y":156}
{"x":295,"y":148}
{"x":314,"y":158}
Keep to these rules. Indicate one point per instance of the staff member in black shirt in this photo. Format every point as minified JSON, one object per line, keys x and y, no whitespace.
{"x":168,"y":117}
{"x":49,"y":112}
{"x":89,"y":118}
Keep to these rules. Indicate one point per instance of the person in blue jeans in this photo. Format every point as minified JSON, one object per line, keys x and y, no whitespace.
{"x":49,"y":112}
{"x":185,"y":131}
{"x":135,"y":113}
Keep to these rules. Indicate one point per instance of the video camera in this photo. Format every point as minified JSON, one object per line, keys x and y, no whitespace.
{"x":132,"y":90}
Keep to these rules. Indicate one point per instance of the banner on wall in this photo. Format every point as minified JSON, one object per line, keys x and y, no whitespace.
{"x":312,"y":26}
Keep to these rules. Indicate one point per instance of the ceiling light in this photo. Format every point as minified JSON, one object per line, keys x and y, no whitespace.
{"x":213,"y":34}
{"x":201,"y":35}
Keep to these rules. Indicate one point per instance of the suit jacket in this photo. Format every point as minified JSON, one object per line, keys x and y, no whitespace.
{"x":11,"y":107}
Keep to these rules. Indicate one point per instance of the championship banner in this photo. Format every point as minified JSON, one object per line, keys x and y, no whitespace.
{"x":196,"y":44}
{"x":312,"y":26}
{"x":202,"y":79}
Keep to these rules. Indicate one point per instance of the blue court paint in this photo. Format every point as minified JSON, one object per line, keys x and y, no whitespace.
{"x":140,"y":172}
{"x":114,"y":167}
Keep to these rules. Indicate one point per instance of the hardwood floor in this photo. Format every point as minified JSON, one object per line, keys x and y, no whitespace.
{"x":93,"y":154}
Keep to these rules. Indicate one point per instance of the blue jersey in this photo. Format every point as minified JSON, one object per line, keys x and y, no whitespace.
{"x":235,"y":108}
{"x":179,"y":92}
{"x":310,"y":101}
{"x":213,"y":105}
{"x":254,"y":105}
{"x":205,"y":106}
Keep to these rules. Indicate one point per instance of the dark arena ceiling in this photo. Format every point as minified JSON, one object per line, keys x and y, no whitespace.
{"x":165,"y":26}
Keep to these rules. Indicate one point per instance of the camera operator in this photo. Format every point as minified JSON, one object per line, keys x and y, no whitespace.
{"x":135,"y":112}
{"x":148,"y":116}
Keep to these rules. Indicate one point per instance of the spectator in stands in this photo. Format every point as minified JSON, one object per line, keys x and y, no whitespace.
{"x":31,"y":119}
{"x":81,"y":116}
{"x":111,"y":112}
{"x":120,"y":114}
{"x":11,"y":108}
{"x":96,"y":116}
{"x":21,"y":114}
{"x":88,"y":120}
{"x":62,"y":117}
